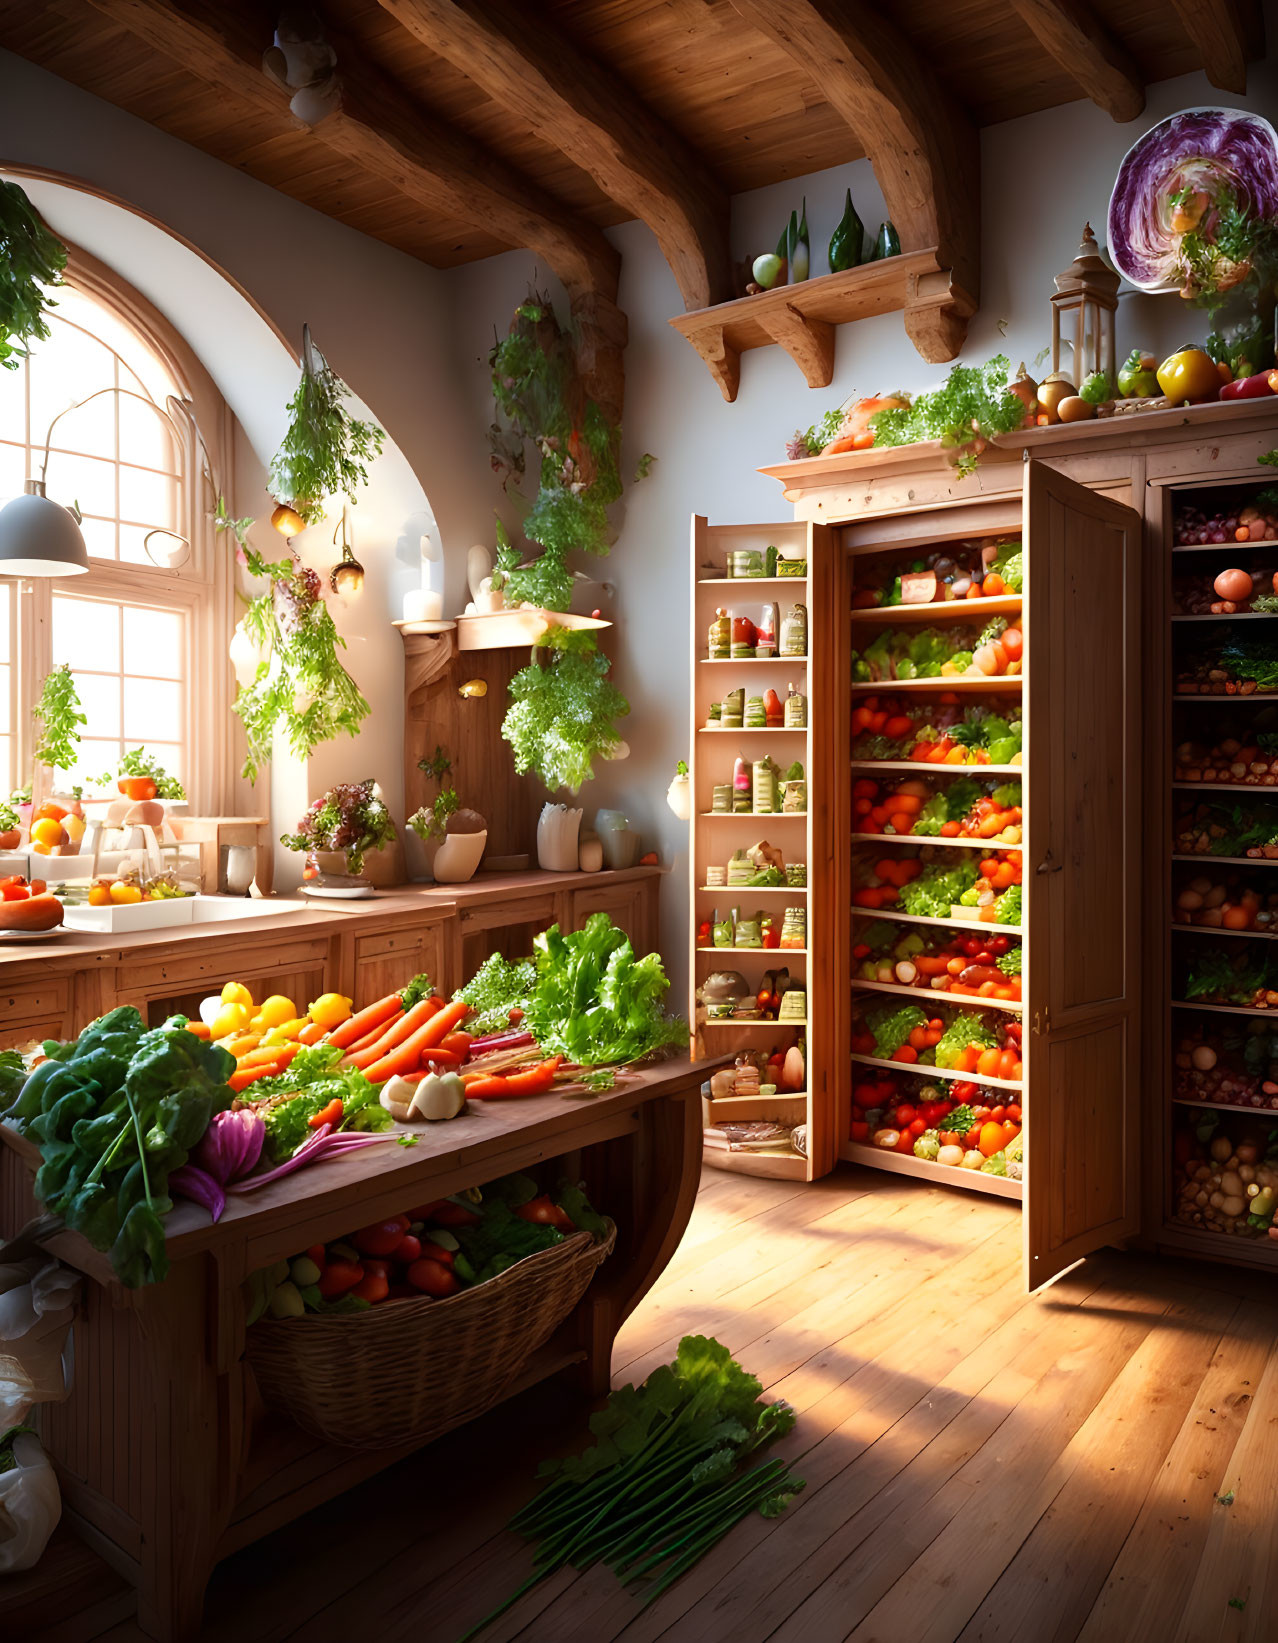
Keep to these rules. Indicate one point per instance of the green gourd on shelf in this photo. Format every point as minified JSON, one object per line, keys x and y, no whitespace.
{"x":847,"y":240}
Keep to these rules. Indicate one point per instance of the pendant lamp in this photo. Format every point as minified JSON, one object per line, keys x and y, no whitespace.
{"x":39,"y":537}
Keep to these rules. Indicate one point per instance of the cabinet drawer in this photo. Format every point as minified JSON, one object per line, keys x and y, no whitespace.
{"x":31,"y":1000}
{"x":388,"y":944}
{"x":24,"y":1029}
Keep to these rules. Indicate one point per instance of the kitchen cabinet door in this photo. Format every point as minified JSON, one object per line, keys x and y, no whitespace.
{"x":1082,"y":870}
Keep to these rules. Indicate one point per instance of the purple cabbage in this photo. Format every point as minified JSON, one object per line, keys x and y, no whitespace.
{"x":1211,"y":149}
{"x":231,"y":1146}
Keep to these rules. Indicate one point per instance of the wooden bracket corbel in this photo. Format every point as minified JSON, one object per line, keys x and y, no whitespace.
{"x":936,"y":315}
{"x":808,"y":341}
{"x":427,"y":657}
{"x":722,"y":359}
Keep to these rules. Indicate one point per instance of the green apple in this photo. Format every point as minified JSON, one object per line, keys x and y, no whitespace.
{"x":768,"y":269}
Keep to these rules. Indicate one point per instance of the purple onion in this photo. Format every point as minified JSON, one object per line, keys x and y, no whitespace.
{"x":199,"y":1186}
{"x":232,"y":1144}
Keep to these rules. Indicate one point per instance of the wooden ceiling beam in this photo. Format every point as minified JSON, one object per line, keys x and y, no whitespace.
{"x":1073,"y":35}
{"x":594,"y":118}
{"x":381,"y":130}
{"x":923,"y":147}
{"x":1223,"y":36}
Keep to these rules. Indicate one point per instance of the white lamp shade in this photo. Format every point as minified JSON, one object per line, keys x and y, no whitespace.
{"x":38,"y":537}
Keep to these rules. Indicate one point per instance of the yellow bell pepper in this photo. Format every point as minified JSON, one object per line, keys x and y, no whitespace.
{"x":285,"y":1032}
{"x":1189,"y":374}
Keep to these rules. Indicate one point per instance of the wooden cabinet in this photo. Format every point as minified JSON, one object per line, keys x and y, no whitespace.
{"x":630,"y":906}
{"x":383,"y":961}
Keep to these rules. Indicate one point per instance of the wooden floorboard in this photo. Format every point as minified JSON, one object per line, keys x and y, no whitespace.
{"x":1095,"y":1464}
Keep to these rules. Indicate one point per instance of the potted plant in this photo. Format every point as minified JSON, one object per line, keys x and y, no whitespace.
{"x":429,"y":822}
{"x":342,"y":829}
{"x":453,"y":839}
{"x":58,"y":717}
{"x":10,"y":826}
{"x":141,"y":776}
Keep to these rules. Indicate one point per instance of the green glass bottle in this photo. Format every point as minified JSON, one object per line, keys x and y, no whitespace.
{"x":887,"y":243}
{"x":847,"y":240}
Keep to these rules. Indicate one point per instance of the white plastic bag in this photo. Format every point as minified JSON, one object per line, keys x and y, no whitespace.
{"x":37,"y":1304}
{"x":30,"y":1504}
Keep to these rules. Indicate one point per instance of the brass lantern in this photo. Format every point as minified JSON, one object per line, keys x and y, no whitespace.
{"x":1083,"y":308}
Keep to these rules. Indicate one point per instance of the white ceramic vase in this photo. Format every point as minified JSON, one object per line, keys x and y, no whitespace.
{"x":558,"y":833}
{"x":458,"y":857}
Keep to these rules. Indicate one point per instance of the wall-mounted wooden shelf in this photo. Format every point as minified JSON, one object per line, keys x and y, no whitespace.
{"x":801,"y":318}
{"x":504,"y":629}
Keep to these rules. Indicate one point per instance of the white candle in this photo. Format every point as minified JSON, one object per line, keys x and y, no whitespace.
{"x":423,"y":605}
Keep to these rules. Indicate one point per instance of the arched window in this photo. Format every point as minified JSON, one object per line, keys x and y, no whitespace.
{"x":145,"y":632}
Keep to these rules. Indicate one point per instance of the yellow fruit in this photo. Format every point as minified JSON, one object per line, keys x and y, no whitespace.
{"x":235,"y":992}
{"x":41,"y":849}
{"x":125,"y":895}
{"x":231,"y":1018}
{"x":46,"y":831}
{"x":330,"y":1010}
{"x":285,"y":1033}
{"x":100,"y":895}
{"x":74,"y":826}
{"x":275,"y":1011}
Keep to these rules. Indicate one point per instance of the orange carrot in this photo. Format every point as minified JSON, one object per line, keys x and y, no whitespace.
{"x":413,"y":1050}
{"x":402,"y":1027}
{"x":242,"y":1077}
{"x":311,"y":1033}
{"x":198,"y":1029}
{"x":363,"y":1021}
{"x":270,"y":1055}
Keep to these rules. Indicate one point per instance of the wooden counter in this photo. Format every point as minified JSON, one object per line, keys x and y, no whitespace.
{"x":51,"y":989}
{"x":166,"y":1457}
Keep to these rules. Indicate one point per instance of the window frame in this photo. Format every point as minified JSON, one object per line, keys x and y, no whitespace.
{"x":202,"y":588}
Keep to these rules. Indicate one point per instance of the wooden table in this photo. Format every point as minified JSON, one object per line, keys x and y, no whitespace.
{"x":168,"y":1461}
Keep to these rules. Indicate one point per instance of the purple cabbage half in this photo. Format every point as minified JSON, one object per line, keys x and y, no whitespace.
{"x":1205,"y":148}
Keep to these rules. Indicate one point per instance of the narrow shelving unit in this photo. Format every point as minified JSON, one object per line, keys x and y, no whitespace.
{"x":717,"y":834}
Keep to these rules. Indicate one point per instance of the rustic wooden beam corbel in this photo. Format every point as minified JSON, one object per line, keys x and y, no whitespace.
{"x":1101,"y":66}
{"x":808,"y":341}
{"x":921,"y":144}
{"x":722,"y":360}
{"x":1225,"y":34}
{"x":592,"y":116}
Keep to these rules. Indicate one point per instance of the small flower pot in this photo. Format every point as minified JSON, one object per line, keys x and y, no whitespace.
{"x":458,"y":857}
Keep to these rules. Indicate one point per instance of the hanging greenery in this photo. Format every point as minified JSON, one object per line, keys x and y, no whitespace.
{"x":31,"y":260}
{"x":562,"y":710}
{"x":540,"y":396}
{"x":58,"y":717}
{"x":300,"y":690}
{"x":326,"y":450}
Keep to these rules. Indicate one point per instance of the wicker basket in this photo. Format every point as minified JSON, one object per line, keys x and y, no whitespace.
{"x":410,"y":1370}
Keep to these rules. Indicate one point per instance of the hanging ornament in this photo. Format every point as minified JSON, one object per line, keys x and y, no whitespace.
{"x":287,"y":521}
{"x":347,"y":575}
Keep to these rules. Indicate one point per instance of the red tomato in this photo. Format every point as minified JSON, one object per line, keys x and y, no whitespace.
{"x":431,"y":1278}
{"x":905,"y":1142}
{"x":339,"y":1276}
{"x":545,"y":1212}
{"x":917,"y":1127}
{"x":453,"y":1215}
{"x":407,"y":1250}
{"x":905,"y":1114}
{"x":860,"y":1131}
{"x":437,"y":1252}
{"x":372,"y":1287}
{"x":319,"y":1255}
{"x":15,"y":892}
{"x":381,"y":1239}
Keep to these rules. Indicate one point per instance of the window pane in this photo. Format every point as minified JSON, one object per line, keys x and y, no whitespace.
{"x":144,"y":435}
{"x":66,"y":369}
{"x":86,"y":633}
{"x":146,"y":497}
{"x":99,"y":537}
{"x":100,"y":698}
{"x":96,"y":759}
{"x":13,"y":405}
{"x":84,"y":480}
{"x":89,"y":429}
{"x":153,"y":642}
{"x":152,"y":709}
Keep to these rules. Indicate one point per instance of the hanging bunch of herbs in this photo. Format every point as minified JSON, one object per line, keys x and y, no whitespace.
{"x":31,"y":260}
{"x":540,"y":396}
{"x":561,"y":711}
{"x":326,"y":450}
{"x":58,"y":716}
{"x":971,"y":406}
{"x":301,"y":688}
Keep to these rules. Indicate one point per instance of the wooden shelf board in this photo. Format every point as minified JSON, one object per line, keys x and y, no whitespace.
{"x":1223,"y":1106}
{"x":1216,"y":698}
{"x":1219,"y":1245}
{"x":917,"y":768}
{"x":752,"y":581}
{"x":1224,"y":1009}
{"x":1231,"y":861}
{"x":758,"y":952}
{"x":737,"y":1025}
{"x":934,"y":1072}
{"x":751,"y":661}
{"x":778,"y":1166}
{"x":1226,"y":616}
{"x":1178,"y":928}
{"x":1224,"y":547}
{"x":1000,"y":684}
{"x":983,"y":926}
{"x":753,"y":815}
{"x":936,"y":993}
{"x":1223,"y":787}
{"x":941,"y":1175}
{"x":957,"y":610}
{"x":753,"y":889}
{"x":801,"y":318}
{"x":511,"y":629}
{"x":752,"y":730}
{"x":915,"y":838}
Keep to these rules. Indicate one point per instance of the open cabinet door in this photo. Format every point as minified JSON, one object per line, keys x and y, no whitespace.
{"x":1081,"y":867}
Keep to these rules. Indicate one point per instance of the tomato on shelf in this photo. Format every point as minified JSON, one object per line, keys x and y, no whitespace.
{"x":963,"y":808}
{"x":960,"y":1125}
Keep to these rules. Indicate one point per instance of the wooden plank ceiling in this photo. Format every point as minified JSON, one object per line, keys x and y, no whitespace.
{"x":740,"y":110}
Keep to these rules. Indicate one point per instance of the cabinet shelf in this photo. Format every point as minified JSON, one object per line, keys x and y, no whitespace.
{"x":1179,"y":928}
{"x":1226,"y":1009}
{"x":919,"y":769}
{"x":928,"y":838}
{"x":778,"y":1166}
{"x":1223,"y":1106}
{"x":952,"y":610}
{"x":801,"y":318}
{"x":752,"y":581}
{"x":941,"y":1175}
{"x":1231,"y":861}
{"x":1000,"y":684}
{"x":982,"y":926}
{"x":773,"y":1024}
{"x":940,"y":994}
{"x":753,"y":815}
{"x":752,"y":661}
{"x":934,"y":1072}
{"x":1223,"y":787}
{"x":1217,"y":697}
{"x":758,"y":952}
{"x":1225,"y":616}
{"x":752,"y":889}
{"x":752,"y":730}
